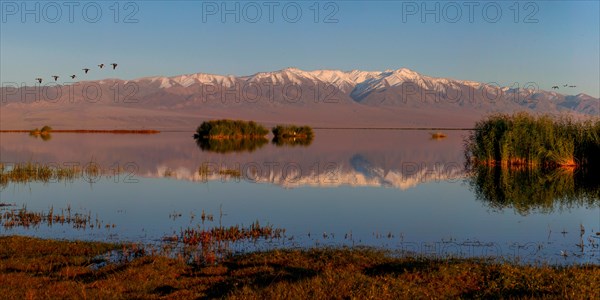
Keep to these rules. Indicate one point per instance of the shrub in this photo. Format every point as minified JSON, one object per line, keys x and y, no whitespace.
{"x":292,"y":131}
{"x":223,"y":129}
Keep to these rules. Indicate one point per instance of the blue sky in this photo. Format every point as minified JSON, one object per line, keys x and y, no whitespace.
{"x":179,"y":37}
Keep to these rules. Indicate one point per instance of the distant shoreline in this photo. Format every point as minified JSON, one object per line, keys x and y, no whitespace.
{"x":391,"y":128}
{"x":126,"y":131}
{"x":116,"y":131}
{"x":364,"y":128}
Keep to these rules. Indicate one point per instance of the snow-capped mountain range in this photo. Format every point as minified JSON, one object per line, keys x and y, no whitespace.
{"x":331,"y":98}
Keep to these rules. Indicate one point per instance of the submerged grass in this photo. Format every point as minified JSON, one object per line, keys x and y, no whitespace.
{"x":24,"y":218}
{"x":26,"y":172}
{"x":523,"y":139}
{"x":210,"y":245}
{"x":33,"y":268}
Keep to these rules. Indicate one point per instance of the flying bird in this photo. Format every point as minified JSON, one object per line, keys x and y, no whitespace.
{"x":86,"y":70}
{"x":114,"y":65}
{"x":55,"y":77}
{"x":566,"y":85}
{"x":73,"y":76}
{"x":38,"y":80}
{"x":101,"y":66}
{"x":572,"y":86}
{"x":555,"y":87}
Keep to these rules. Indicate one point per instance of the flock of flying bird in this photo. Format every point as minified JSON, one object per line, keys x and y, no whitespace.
{"x":565,"y":85}
{"x":86,"y":70}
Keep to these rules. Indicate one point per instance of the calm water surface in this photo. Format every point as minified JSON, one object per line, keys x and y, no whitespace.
{"x":387,"y":188}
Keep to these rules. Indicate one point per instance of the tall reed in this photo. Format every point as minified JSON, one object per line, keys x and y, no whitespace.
{"x":523,"y":139}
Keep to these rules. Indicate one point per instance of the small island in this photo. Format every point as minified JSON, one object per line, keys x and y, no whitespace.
{"x":224,"y":136}
{"x":41,"y":132}
{"x":438,"y":135}
{"x":292,"y":135}
{"x":230,"y":129}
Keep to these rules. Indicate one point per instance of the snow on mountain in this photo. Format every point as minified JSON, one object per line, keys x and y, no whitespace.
{"x":362,"y":86}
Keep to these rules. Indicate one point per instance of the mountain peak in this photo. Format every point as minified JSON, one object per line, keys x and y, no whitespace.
{"x":407,"y":73}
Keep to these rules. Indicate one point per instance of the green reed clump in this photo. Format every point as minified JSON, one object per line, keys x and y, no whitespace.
{"x":292,"y":131}
{"x":522,"y":139}
{"x":291,"y":135}
{"x":226,"y":129}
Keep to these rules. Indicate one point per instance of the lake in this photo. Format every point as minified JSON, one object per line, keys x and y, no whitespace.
{"x":396,"y":189}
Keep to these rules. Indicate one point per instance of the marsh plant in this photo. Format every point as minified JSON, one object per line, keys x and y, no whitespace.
{"x":24,"y":218}
{"x":230,"y":129}
{"x":534,"y":162}
{"x":22,"y":173}
{"x":209,"y":245}
{"x":523,"y":139}
{"x":292,"y":131}
{"x":30,"y":172}
{"x":225,"y":136}
{"x":291,"y":135}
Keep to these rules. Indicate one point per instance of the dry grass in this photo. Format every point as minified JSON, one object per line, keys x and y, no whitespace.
{"x":35,"y":269}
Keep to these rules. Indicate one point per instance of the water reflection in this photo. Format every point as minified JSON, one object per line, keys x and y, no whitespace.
{"x":292,"y":141}
{"x":230,"y":145}
{"x":529,"y":189}
{"x":334,"y":158}
{"x":43,"y":136}
{"x":395,"y":189}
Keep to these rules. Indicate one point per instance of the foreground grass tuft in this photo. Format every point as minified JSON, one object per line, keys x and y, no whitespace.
{"x":34,"y":268}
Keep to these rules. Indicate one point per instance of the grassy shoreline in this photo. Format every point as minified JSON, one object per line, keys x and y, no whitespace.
{"x":36,"y":268}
